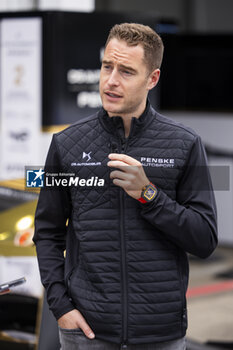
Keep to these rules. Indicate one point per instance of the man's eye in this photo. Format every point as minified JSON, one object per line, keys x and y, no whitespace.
{"x":127,"y":72}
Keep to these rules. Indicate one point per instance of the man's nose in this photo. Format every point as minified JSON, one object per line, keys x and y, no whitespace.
{"x":113,"y":78}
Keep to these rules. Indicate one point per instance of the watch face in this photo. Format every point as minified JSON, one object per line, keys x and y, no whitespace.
{"x":150,"y":193}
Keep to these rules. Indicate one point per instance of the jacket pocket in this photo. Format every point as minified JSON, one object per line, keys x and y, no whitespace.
{"x":68,"y":284}
{"x":71,"y":330}
{"x":68,"y":281}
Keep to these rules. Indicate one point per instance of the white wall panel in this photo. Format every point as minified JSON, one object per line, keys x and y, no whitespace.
{"x":16,"y":5}
{"x":69,"y":5}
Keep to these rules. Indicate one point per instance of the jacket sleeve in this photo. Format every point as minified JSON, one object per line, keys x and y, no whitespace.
{"x":53,"y":210}
{"x":190,"y":221}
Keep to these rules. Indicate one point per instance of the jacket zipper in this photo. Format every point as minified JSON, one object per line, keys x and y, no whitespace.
{"x":123,"y":147}
{"x":124,"y":273}
{"x":123,"y":260}
{"x":183,"y":313}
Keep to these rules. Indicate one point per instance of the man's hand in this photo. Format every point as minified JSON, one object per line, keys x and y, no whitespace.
{"x":130,"y":176}
{"x":74,"y":319}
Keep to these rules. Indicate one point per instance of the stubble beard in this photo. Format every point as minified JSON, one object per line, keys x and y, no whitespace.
{"x":129,"y":108}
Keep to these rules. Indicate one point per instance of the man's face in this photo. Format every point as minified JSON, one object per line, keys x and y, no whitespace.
{"x":124,"y":79}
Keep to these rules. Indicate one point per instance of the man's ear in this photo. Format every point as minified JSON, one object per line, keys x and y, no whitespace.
{"x":153,"y":79}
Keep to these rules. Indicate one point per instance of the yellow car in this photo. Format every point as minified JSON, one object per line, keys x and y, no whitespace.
{"x":17,"y":210}
{"x":19,"y":308}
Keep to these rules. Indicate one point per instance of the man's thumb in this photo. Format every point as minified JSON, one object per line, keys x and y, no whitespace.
{"x":87,"y":331}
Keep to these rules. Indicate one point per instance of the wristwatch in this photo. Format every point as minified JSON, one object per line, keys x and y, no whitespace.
{"x":149,"y":192}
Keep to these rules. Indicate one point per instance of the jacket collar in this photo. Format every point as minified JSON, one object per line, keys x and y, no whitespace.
{"x":115,"y":124}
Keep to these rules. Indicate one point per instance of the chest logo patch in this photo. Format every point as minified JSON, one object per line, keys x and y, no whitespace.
{"x":86,"y":157}
{"x":158,"y":162}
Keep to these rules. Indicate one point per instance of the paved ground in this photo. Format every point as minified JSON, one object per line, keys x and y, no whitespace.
{"x":211,"y":312}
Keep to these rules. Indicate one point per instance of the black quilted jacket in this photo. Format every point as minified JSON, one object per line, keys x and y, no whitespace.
{"x":126,"y":267}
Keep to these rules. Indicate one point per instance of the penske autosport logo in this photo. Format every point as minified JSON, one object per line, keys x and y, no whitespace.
{"x":158,"y":162}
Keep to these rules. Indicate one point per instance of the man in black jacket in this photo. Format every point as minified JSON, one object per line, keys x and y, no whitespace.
{"x":124,"y":278}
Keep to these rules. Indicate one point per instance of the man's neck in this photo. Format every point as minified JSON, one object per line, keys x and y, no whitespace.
{"x":127,"y":125}
{"x":127,"y":119}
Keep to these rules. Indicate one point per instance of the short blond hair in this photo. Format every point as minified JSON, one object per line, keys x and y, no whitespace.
{"x":138,"y":34}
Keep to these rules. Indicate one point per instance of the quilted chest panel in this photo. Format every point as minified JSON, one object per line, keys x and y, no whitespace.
{"x":84,"y":150}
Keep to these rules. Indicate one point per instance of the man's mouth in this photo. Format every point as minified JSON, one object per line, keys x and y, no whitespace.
{"x":112,"y":94}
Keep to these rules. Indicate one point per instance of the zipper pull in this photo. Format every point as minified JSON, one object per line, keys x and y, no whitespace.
{"x":124,"y":346}
{"x":114,"y":147}
{"x":123,"y":141}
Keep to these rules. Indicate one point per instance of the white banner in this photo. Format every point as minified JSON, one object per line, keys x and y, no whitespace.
{"x":20,"y":96}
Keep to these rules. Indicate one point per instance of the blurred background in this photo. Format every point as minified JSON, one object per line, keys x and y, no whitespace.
{"x":50,"y":56}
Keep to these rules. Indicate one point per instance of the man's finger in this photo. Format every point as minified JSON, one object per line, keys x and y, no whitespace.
{"x":116,"y":174}
{"x":130,"y":169}
{"x":124,"y":158}
{"x":121,"y":183}
{"x":84,"y":326}
{"x":118,"y":164}
{"x":87,"y":330}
